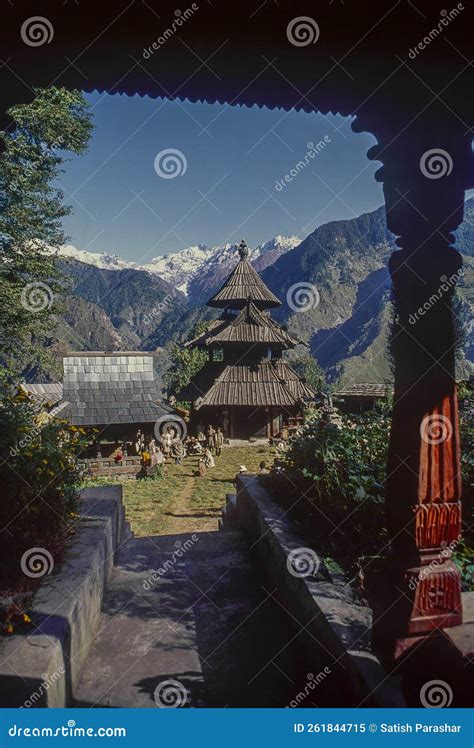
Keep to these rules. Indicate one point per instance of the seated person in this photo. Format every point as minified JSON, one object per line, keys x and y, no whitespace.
{"x":209,"y":459}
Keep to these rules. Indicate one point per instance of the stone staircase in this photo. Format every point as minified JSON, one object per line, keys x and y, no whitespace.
{"x":185,"y":618}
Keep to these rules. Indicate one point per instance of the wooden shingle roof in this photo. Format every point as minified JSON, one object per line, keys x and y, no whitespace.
{"x":248,"y":385}
{"x":263,"y":384}
{"x":363,"y":389}
{"x":206,"y":337}
{"x":250,"y":326}
{"x":243,"y":283}
{"x":293,"y":382}
{"x":45,"y":394}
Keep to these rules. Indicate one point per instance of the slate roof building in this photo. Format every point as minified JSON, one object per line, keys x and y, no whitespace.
{"x":246,"y":386}
{"x":116,"y":393}
{"x":360,"y":396}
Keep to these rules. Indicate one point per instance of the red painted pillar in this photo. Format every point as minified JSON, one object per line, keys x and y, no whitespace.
{"x":425,"y":176}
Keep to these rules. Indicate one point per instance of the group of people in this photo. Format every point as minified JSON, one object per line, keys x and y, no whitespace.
{"x":147,"y":448}
{"x":210,"y":438}
{"x":207,"y":443}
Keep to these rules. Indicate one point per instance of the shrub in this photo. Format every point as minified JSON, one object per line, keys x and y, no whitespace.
{"x":466,"y":418}
{"x":332,"y":476}
{"x":40,"y":476}
{"x":337,"y":463}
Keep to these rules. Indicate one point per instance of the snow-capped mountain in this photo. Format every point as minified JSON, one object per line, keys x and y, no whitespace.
{"x":99,"y":260}
{"x":177,"y":268}
{"x":194,"y":267}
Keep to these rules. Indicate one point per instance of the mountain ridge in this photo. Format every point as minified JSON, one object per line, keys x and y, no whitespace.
{"x":183,"y":266}
{"x":344,"y":263}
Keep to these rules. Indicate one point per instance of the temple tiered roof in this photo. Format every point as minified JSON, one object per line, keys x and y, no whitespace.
{"x":250,"y":326}
{"x":264,"y":384}
{"x":243,"y":283}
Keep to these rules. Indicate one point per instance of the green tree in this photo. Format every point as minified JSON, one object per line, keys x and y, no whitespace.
{"x":184,"y":364}
{"x":308,"y":367}
{"x":31,"y":213}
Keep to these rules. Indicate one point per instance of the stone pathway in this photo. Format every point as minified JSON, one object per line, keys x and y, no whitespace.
{"x":205,"y":622}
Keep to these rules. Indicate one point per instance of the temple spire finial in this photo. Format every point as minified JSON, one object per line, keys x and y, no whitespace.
{"x":243,"y":249}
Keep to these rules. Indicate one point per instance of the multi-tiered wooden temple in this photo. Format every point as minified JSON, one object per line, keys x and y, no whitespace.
{"x":246,"y":386}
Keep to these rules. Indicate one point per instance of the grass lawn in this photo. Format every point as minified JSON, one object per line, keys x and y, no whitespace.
{"x":182,"y":502}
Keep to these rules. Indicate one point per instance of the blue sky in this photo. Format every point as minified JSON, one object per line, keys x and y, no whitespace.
{"x":233,"y":158}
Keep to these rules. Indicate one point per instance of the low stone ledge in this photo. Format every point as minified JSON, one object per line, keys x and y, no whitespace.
{"x":335,"y":630}
{"x":41,"y":669}
{"x":118,"y":471}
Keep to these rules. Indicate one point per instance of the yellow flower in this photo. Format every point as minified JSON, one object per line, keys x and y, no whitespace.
{"x":26,"y":618}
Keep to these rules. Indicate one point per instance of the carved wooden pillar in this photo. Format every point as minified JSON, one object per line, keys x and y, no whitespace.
{"x":425,"y":175}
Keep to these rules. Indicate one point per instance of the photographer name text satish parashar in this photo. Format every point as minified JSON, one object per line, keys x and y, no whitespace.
{"x":418,"y":727}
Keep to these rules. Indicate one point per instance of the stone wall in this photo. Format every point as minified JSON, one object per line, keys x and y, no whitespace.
{"x":40,"y":668}
{"x":333,"y":627}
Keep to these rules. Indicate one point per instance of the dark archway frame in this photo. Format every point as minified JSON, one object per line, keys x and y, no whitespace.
{"x":411,"y":88}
